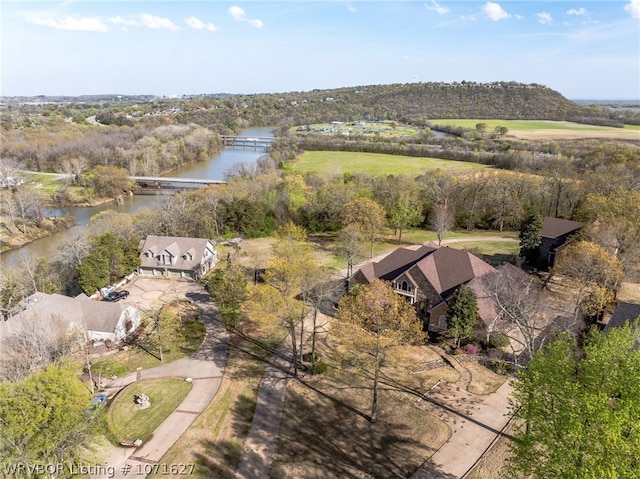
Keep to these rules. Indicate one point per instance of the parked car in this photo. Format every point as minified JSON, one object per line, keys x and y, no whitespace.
{"x":98,"y":400}
{"x":116,"y":295}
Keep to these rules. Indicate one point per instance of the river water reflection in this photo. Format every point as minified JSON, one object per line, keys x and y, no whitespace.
{"x":213,"y":169}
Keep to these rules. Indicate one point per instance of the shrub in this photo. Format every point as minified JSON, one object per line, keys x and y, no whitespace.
{"x":498,"y":340}
{"x":471,"y":349}
{"x":319,"y":368}
{"x":310,"y":357}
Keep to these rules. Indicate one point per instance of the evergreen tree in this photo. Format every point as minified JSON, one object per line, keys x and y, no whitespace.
{"x":109,"y":260}
{"x":530,"y":238}
{"x":463,"y":314}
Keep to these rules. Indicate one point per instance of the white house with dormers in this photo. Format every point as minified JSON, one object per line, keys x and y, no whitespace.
{"x":176,"y":257}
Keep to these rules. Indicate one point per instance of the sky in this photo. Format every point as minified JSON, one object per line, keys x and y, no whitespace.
{"x":583,"y":49}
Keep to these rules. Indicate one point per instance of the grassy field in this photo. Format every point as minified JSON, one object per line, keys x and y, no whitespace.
{"x":497,"y":246}
{"x":537,"y":129}
{"x":340,"y":162}
{"x":128,"y":422}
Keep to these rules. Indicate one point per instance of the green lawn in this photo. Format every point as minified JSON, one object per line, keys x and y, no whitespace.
{"x":340,"y":162}
{"x":126,"y":361}
{"x":128,"y":422}
{"x":495,"y":250}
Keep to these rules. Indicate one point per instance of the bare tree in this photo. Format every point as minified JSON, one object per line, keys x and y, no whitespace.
{"x":350,"y":246}
{"x":517,"y":300}
{"x":73,"y":250}
{"x":33,"y":345}
{"x":441,"y":220}
{"x":74,"y":167}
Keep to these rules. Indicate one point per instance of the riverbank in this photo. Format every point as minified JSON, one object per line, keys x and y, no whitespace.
{"x":47,"y":227}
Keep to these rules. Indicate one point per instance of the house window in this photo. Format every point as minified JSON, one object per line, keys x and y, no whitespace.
{"x":405,"y":286}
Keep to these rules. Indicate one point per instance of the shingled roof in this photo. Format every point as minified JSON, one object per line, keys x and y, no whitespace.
{"x":395,"y":263}
{"x":79,"y":312}
{"x":556,"y":227}
{"x":188,"y":252}
{"x":624,"y":312}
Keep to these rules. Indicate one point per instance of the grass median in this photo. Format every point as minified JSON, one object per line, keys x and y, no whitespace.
{"x":129,"y":422}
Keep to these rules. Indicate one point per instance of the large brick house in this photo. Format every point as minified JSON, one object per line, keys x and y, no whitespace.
{"x":428,"y":276}
{"x":556,"y":234}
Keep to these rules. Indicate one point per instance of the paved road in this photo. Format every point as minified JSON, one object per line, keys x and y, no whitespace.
{"x":262,"y":439}
{"x":205,"y":368}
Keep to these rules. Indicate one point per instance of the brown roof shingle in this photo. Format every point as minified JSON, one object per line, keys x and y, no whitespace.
{"x":556,"y":227}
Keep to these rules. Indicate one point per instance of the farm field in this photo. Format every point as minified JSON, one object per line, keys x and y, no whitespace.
{"x":536,"y":129}
{"x":340,"y":162}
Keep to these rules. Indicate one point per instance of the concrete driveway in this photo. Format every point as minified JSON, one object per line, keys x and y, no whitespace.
{"x":205,"y":368}
{"x":146,"y":291}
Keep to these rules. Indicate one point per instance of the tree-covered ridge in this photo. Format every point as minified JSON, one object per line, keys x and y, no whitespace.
{"x":411,"y":102}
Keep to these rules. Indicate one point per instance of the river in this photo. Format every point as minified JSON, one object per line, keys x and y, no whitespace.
{"x":213,"y":169}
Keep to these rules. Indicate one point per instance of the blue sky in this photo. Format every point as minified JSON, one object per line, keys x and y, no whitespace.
{"x":583,"y":49}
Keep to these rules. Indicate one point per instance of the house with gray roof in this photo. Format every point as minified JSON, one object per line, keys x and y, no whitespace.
{"x":176,"y":257}
{"x":428,"y":277}
{"x":556,"y":234}
{"x":95,"y":321}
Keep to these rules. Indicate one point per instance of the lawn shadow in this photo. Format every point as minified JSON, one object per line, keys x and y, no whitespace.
{"x":220,"y":458}
{"x":322,"y":436}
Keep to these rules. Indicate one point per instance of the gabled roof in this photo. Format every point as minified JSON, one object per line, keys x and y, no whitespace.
{"x":177,"y":247}
{"x":447,"y":268}
{"x":556,"y":227}
{"x":79,"y":312}
{"x":397,"y":262}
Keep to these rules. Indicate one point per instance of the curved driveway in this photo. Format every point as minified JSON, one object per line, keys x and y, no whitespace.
{"x":205,"y":368}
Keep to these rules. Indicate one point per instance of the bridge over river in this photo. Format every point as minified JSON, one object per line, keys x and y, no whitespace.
{"x":247,"y":141}
{"x":159,"y":182}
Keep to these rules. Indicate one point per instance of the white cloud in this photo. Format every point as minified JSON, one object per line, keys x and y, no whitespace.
{"x":633,"y":7}
{"x":351,"y":8}
{"x":197,"y":24}
{"x":544,"y":18}
{"x":86,"y":24}
{"x":124,"y":21}
{"x":145,"y":20}
{"x":239,"y":14}
{"x":151,"y":21}
{"x":518,"y":17}
{"x":494,"y":11}
{"x":436,"y":7}
{"x":576,"y":11}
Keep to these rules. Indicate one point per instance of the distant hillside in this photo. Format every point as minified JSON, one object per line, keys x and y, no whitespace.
{"x":421,"y":102}
{"x":416,"y":103}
